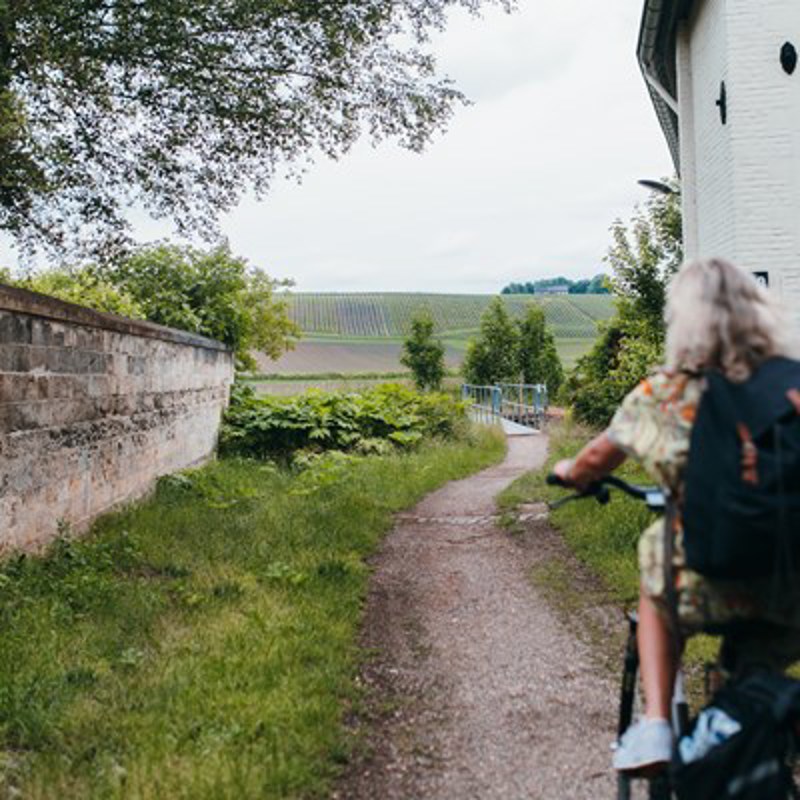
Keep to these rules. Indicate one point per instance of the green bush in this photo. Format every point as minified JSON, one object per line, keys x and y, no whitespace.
{"x":537,"y":354}
{"x":423,"y":354}
{"x":80,"y":286}
{"x":370,"y":421}
{"x":492,"y":357}
{"x":626,"y":352}
{"x":644,"y":256}
{"x":209,"y":292}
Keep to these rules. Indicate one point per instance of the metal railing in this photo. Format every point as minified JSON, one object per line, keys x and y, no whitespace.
{"x":523,"y":403}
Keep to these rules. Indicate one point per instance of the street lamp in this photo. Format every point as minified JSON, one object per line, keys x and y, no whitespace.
{"x":658,"y":186}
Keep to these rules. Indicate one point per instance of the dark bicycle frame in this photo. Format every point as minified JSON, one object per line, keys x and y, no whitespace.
{"x":656,"y":500}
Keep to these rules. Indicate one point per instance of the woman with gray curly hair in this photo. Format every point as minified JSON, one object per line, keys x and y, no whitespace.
{"x":718,"y":318}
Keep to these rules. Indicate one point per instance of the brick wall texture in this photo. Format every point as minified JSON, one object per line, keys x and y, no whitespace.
{"x":93,"y":408}
{"x":743,"y":178}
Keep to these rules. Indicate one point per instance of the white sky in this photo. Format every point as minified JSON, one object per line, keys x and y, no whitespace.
{"x":524,"y":184}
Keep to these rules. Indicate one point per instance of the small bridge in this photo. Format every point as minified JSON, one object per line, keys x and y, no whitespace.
{"x":522,"y":404}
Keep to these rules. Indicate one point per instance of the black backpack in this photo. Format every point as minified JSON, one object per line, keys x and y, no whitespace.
{"x":741,"y":513}
{"x":755,"y":762}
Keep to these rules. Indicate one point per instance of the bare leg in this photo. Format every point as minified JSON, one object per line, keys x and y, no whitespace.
{"x":657,"y":657}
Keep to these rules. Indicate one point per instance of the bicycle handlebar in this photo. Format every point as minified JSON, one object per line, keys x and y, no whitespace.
{"x":652,"y":495}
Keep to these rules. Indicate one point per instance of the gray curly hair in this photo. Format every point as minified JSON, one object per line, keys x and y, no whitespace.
{"x":719,"y":317}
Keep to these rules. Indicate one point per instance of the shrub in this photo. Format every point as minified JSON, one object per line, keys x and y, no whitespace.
{"x":423,"y":354}
{"x":538,"y":358}
{"x":625,"y":353}
{"x":212,"y":293}
{"x":277,"y":427}
{"x":209,"y":292}
{"x":492,"y":357}
{"x":81,"y":286}
{"x":644,"y":256}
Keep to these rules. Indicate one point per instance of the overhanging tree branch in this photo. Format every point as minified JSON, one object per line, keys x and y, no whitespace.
{"x":186,"y":104}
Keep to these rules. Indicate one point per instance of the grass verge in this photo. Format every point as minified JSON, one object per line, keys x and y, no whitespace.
{"x":202,"y":644}
{"x":604,"y":538}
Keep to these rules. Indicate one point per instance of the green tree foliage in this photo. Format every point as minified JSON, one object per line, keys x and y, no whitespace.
{"x":84,"y":287}
{"x":644,"y":255}
{"x":423,"y":354}
{"x":181,"y":106}
{"x":595,"y":285}
{"x":492,"y":357}
{"x":538,"y":358}
{"x":209,"y":292}
{"x":374,"y":421}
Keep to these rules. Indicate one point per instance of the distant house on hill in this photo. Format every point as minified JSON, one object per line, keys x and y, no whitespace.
{"x":724,"y":78}
{"x":559,"y":288}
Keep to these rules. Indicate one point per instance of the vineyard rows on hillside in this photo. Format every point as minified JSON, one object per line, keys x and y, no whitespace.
{"x":389,"y":315}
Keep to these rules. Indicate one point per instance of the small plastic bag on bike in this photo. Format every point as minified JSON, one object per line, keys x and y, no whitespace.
{"x":741,"y":744}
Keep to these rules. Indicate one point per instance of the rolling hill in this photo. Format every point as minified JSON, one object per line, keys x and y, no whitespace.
{"x":362,"y":332}
{"x":389,"y":315}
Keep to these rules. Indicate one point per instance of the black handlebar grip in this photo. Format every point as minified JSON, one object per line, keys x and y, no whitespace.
{"x":554,"y":480}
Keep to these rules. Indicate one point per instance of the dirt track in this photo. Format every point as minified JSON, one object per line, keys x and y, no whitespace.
{"x":477,"y":688}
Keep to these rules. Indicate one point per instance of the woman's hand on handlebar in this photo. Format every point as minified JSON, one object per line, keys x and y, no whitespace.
{"x":600,"y":457}
{"x":564,"y":470}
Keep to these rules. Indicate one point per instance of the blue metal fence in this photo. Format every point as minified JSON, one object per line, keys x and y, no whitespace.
{"x":523,"y":403}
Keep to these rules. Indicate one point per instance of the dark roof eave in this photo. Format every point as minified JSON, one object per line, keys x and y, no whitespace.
{"x":656,"y":52}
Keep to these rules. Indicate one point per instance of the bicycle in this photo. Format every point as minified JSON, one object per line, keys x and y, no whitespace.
{"x":729,"y":666}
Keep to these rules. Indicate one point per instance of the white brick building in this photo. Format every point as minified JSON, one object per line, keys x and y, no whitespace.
{"x":725,"y":80}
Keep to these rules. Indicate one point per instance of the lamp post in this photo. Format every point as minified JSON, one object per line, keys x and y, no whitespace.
{"x":658,"y":186}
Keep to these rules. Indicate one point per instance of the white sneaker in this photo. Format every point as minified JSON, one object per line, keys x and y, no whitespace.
{"x":648,"y":743}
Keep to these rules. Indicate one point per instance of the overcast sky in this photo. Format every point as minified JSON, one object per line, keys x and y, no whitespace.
{"x":524,"y":184}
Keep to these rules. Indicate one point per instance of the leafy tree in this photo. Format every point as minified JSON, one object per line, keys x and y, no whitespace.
{"x":492,"y":357}
{"x":599,"y":285}
{"x":623,"y":354}
{"x":183,"y":106}
{"x":84,"y":287}
{"x":209,"y":292}
{"x":423,"y":354}
{"x":538,"y":358}
{"x":595,"y":285}
{"x":644,"y":256}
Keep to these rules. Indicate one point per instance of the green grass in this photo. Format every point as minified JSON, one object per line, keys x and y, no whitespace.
{"x":388,"y":315}
{"x":361,"y":332}
{"x":323,"y":376}
{"x":604,"y":538}
{"x":202,"y":644}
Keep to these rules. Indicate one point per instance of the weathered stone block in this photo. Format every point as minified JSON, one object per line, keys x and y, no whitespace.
{"x":93,"y":408}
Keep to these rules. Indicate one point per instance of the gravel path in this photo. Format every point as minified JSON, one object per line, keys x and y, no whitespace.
{"x":476,"y":688}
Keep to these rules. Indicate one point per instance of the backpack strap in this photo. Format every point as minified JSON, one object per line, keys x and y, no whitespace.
{"x":722,"y":393}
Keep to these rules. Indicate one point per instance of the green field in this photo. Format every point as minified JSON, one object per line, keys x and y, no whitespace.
{"x":389,"y":315}
{"x":362,"y":333}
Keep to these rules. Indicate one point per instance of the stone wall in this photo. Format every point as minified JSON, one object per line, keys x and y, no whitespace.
{"x":93,"y":408}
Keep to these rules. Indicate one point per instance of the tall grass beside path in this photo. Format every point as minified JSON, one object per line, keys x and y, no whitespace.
{"x":604,"y":538}
{"x":202,"y":644}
